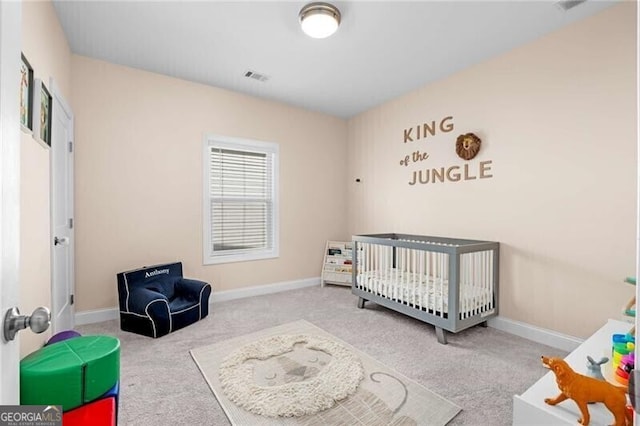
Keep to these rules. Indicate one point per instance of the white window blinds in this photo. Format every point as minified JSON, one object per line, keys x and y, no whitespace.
{"x":241,"y":201}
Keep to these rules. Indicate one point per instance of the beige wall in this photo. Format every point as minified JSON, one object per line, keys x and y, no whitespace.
{"x":139,"y":142}
{"x":46,"y":49}
{"x":557,"y":118}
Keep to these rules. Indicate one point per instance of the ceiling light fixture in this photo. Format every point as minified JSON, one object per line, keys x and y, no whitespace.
{"x":319,"y":20}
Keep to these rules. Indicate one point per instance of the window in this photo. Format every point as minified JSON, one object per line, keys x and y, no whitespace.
{"x":240,"y":200}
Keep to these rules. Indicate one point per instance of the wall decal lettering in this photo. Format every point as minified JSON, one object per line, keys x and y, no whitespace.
{"x":466,"y":146}
{"x":425,"y":129}
{"x":452,"y":174}
{"x":414,"y":157}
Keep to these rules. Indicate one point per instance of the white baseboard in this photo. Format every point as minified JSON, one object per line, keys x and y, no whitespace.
{"x":100,"y":315}
{"x":521,"y":329}
{"x":260,"y":290}
{"x":536,"y":334}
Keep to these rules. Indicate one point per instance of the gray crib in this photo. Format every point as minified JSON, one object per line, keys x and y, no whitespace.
{"x":448,"y":282}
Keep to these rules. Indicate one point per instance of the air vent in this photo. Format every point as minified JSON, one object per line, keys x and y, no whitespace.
{"x":569,"y":4}
{"x":256,"y":76}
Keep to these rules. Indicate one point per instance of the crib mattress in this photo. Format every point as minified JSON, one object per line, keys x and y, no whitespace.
{"x":425,"y":292}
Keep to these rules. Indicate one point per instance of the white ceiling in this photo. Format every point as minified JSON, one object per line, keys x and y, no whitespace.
{"x":382,"y":49}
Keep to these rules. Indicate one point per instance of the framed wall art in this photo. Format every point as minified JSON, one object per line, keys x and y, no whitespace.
{"x":26,"y":95}
{"x":42,"y":113}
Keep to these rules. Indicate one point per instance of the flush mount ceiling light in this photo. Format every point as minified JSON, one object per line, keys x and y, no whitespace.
{"x":319,"y":20}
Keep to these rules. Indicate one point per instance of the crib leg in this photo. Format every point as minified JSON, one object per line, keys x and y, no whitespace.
{"x":361,"y":302}
{"x":484,"y":324}
{"x":442,"y":337}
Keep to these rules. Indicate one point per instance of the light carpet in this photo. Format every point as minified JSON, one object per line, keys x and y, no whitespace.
{"x":384,"y":396}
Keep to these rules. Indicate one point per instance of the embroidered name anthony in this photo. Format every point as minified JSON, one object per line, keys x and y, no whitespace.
{"x":156,"y":272}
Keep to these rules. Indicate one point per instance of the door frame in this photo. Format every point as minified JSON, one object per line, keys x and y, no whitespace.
{"x":10,"y":136}
{"x":636,"y":416}
{"x":57,"y":96}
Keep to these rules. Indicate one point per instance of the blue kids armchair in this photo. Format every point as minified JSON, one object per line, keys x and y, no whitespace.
{"x":156,"y":300}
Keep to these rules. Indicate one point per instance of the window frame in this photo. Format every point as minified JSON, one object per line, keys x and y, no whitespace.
{"x":238,"y":144}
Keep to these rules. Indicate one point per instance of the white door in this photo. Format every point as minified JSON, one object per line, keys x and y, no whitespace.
{"x":62,"y":277}
{"x":10,"y":27}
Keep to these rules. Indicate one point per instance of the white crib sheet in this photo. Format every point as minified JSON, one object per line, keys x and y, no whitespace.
{"x":427,"y":292}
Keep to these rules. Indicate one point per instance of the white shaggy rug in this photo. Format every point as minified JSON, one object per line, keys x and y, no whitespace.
{"x":290,"y":375}
{"x":298,"y":374}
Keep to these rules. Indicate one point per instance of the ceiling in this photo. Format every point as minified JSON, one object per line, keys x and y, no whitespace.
{"x":382,"y":49}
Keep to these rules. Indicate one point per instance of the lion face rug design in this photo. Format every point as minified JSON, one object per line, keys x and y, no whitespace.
{"x":467,"y":146}
{"x":584,"y":390}
{"x":290,"y":375}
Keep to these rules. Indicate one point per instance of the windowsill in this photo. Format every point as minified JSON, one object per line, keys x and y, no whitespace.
{"x":247,"y":257}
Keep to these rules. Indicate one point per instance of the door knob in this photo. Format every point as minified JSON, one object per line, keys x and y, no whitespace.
{"x":39,"y":321}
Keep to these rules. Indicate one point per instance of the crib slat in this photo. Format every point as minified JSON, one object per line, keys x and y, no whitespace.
{"x":363,"y":265}
{"x":464,"y":282}
{"x":473,"y":281}
{"x":378,"y":267}
{"x":477,"y":281}
{"x":387,"y":249}
{"x":415,"y":269}
{"x":491,"y":281}
{"x":367,"y":248}
{"x":391,"y":269}
{"x":427,"y":293}
{"x":472,"y":274}
{"x":403,"y":273}
{"x":367,"y":269}
{"x":396,"y":272}
{"x":443,"y":271}
{"x":469,"y":281}
{"x":484,"y":287}
{"x":440,"y":286}
{"x":485,"y":281}
{"x":405,"y":289}
{"x":432,"y":284}
{"x":412,"y":282}
{"x":371,"y":267}
{"x":388,"y":255}
{"x":480,"y":286}
{"x":422,"y":270}
{"x":468,"y":284}
{"x":400,"y":273}
{"x":391,"y":272}
{"x":476,"y":284}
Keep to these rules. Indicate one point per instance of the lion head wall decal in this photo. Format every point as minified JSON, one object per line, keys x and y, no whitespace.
{"x":467,"y":146}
